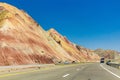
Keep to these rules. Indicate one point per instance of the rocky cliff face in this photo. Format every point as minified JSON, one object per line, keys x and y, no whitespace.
{"x":108,"y":54}
{"x":79,"y":53}
{"x":23,"y":41}
{"x":90,"y":54}
{"x":112,"y":55}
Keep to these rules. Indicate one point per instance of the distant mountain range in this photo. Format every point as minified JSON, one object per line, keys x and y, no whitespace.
{"x":23,"y":41}
{"x":108,"y":54}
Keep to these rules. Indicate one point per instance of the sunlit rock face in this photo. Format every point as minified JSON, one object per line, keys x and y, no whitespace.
{"x":90,"y":54}
{"x":79,"y":53}
{"x":23,"y":41}
{"x":108,"y":54}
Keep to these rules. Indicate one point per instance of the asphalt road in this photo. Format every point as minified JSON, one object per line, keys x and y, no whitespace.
{"x":93,"y":71}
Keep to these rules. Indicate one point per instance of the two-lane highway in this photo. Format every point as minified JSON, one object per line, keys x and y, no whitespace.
{"x":93,"y":71}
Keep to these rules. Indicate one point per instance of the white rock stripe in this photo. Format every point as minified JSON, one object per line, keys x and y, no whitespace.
{"x":110,"y":71}
{"x":65,"y":75}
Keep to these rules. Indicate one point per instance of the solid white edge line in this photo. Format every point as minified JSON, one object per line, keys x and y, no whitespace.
{"x":110,"y":71}
{"x":65,"y":75}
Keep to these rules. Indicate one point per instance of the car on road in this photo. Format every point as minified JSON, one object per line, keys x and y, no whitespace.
{"x":108,"y":62}
{"x":102,"y":60}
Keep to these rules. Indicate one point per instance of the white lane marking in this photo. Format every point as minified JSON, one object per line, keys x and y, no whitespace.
{"x":110,"y":71}
{"x":65,"y":75}
{"x":77,"y":69}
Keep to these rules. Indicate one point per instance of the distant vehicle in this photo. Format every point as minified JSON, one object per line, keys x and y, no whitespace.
{"x":66,"y":62}
{"x":102,"y":60}
{"x":108,"y":62}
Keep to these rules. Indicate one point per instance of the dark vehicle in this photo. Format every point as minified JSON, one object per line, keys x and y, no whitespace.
{"x":102,"y":60}
{"x":108,"y":62}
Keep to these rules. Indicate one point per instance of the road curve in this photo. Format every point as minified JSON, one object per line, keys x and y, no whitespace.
{"x":93,"y":71}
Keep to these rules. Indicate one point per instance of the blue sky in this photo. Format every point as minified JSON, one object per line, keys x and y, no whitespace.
{"x":90,"y":23}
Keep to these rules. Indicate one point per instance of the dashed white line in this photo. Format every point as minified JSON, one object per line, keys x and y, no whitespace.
{"x":110,"y":71}
{"x":65,"y":75}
